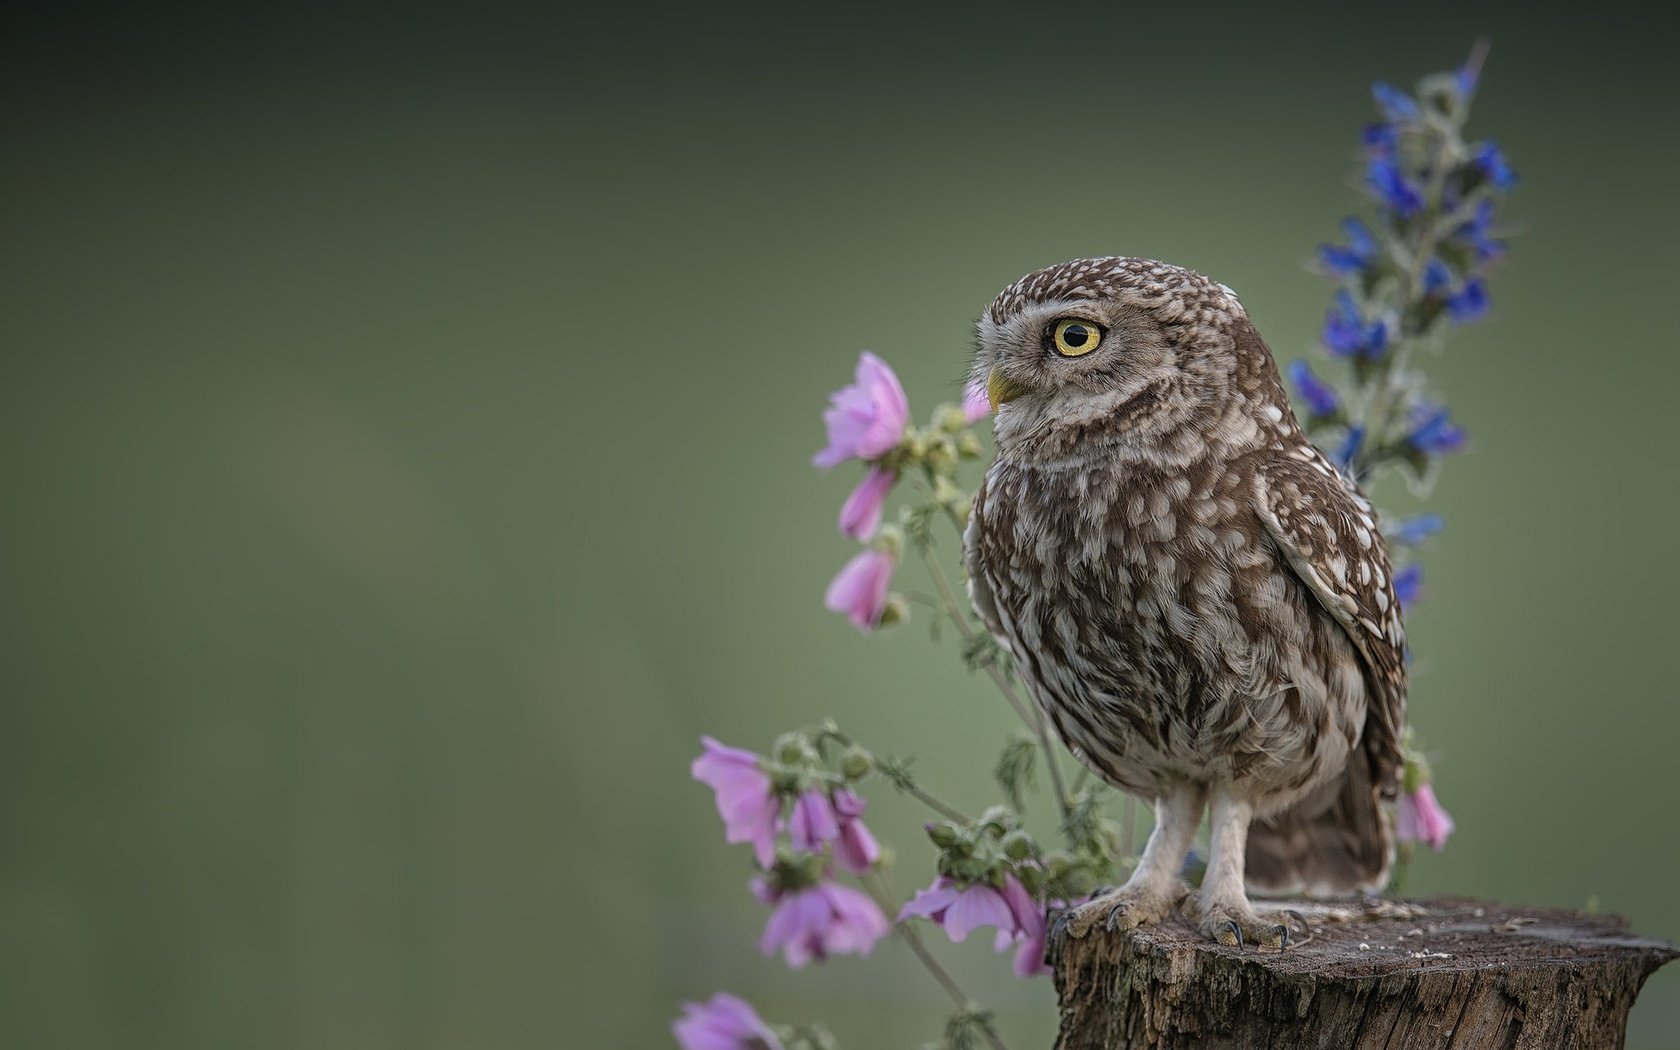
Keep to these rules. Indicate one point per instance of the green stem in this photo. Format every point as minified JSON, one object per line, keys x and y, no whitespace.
{"x":872,"y":886}
{"x":948,"y":812}
{"x":1033,"y":717}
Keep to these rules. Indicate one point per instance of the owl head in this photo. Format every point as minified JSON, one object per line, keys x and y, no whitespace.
{"x":1122,"y":352}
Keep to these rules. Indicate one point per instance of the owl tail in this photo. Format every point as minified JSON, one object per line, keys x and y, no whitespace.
{"x":1334,"y":842}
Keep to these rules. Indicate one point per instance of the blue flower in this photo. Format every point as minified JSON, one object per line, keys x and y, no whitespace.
{"x":1436,"y":276}
{"x":1384,"y":179}
{"x":1381,"y":139}
{"x":1477,"y":232}
{"x":1395,"y":104}
{"x":1433,"y":434}
{"x":1360,"y":252}
{"x":1417,"y":528}
{"x":1408,"y":584}
{"x":1320,"y":397}
{"x":1470,"y":303}
{"x":1491,"y":163}
{"x":1351,"y":444}
{"x":1347,"y":333}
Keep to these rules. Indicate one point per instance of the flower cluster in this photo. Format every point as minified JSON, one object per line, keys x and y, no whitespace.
{"x":803,"y":819}
{"x":869,"y":420}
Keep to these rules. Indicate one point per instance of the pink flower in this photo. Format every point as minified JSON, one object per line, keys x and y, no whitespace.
{"x":961,"y":909}
{"x":813,"y":822}
{"x":867,"y":419}
{"x":746,"y":803}
{"x":1029,"y":919}
{"x":819,"y":921}
{"x":855,"y":849}
{"x":975,"y":404}
{"x":1422,"y":819}
{"x":860,"y":588}
{"x":725,"y":1023}
{"x":860,"y":515}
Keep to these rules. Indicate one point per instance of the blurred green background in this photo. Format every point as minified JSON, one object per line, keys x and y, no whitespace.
{"x":405,"y":433}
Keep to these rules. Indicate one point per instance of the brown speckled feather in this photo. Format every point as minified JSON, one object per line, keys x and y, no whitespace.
{"x":1193,"y":595}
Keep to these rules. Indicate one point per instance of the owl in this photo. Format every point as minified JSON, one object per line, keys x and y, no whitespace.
{"x":1197,"y":599}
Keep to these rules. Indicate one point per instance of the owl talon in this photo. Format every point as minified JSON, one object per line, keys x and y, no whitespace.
{"x":1283,"y":936}
{"x":1118,"y":910}
{"x":1235,"y":931}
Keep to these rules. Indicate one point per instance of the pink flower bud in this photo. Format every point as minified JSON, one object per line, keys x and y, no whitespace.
{"x":860,"y":589}
{"x":1422,"y":819}
{"x":860,"y":516}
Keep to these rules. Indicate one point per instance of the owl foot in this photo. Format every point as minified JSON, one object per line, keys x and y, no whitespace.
{"x":1122,"y":909}
{"x":1239,"y":926}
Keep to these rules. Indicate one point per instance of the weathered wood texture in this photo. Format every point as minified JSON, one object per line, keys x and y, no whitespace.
{"x":1452,"y":973}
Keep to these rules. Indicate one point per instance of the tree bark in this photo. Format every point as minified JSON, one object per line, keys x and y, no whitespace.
{"x":1443,"y":973}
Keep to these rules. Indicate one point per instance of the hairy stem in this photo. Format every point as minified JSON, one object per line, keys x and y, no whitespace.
{"x":948,"y":812}
{"x":872,"y":886}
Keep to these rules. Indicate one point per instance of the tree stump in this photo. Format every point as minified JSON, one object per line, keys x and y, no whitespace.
{"x":1396,"y":974}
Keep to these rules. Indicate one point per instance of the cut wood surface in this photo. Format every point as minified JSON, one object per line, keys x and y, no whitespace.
{"x":1420,"y":974}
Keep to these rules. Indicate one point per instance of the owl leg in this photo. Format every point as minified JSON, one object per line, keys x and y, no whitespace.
{"x":1155,"y":887}
{"x":1226,"y":915}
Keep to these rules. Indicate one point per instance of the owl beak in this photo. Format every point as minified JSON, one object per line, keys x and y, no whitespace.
{"x":1000,"y":388}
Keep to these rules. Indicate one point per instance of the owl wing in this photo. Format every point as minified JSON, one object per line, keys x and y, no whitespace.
{"x":1330,"y":539}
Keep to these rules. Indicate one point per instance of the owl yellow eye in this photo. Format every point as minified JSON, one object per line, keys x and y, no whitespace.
{"x":1072,"y":337}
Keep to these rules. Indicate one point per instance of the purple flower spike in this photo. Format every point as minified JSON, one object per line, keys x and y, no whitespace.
{"x":1421,"y":819}
{"x":867,"y":419}
{"x":822,"y":920}
{"x":860,"y":515}
{"x":746,"y":803}
{"x":860,"y":589}
{"x":813,"y":822}
{"x":725,"y":1023}
{"x":855,"y":849}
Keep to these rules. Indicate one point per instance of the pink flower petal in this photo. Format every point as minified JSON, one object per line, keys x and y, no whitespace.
{"x":725,"y":1023}
{"x":978,"y":905}
{"x":857,"y":923}
{"x":975,"y":404}
{"x":813,"y":821}
{"x":930,"y":903}
{"x":856,"y":849}
{"x":1029,"y":958}
{"x":745,"y":801}
{"x":860,"y":588}
{"x":865,"y":420}
{"x":1028,"y":913}
{"x":860,"y":515}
